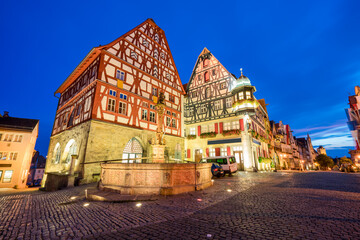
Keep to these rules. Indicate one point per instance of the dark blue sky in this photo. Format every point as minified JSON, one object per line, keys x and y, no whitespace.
{"x":302,"y":56}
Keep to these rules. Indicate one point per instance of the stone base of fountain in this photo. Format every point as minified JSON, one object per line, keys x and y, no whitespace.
{"x":155,"y":178}
{"x":157,"y":153}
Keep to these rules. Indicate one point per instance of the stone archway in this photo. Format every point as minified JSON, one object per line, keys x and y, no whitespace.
{"x":133,"y":150}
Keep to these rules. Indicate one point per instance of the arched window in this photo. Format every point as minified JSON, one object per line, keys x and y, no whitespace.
{"x":133,"y":150}
{"x":57,"y":153}
{"x":70,"y":149}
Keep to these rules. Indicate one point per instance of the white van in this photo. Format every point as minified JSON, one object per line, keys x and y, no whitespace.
{"x":228,"y":163}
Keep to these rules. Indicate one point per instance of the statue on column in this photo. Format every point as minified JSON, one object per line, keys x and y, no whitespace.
{"x":160,"y":109}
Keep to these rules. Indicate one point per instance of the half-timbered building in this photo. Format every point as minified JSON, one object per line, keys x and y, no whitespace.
{"x":223,"y":117}
{"x":106,"y":108}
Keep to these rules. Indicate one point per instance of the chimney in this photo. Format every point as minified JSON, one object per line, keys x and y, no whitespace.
{"x":6,"y":114}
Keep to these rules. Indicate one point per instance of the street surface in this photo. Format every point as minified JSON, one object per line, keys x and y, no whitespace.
{"x":311,"y":205}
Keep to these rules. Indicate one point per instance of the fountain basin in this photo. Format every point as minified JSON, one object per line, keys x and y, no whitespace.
{"x":155,"y":178}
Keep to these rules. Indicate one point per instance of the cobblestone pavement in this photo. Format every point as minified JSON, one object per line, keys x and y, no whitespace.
{"x":314,"y":205}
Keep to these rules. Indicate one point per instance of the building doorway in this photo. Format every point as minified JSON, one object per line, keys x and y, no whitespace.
{"x":239,"y":159}
{"x":132,"y":152}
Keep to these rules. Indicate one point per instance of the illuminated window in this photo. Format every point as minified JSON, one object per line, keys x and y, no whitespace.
{"x":120,"y":75}
{"x":111,"y":105}
{"x":223,"y":152}
{"x":144,"y":115}
{"x":4,"y":155}
{"x":248,"y":95}
{"x":235,"y":125}
{"x":217,"y":105}
{"x":202,"y":108}
{"x":241,"y":95}
{"x":122,"y":108}
{"x":152,"y":117}
{"x":12,"y":156}
{"x":212,"y":152}
{"x":227,"y":126}
{"x":211,"y":128}
{"x":229,"y":102}
{"x":192,"y":131}
{"x":7,"y":176}
{"x":191,"y":112}
{"x":204,"y":128}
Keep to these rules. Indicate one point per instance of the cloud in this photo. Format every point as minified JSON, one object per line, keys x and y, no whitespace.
{"x":332,"y":137}
{"x":311,"y":129}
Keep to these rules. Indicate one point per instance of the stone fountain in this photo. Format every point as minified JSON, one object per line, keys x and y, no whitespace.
{"x":155,"y":177}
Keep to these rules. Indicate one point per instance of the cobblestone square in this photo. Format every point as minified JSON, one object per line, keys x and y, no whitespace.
{"x":282,"y":205}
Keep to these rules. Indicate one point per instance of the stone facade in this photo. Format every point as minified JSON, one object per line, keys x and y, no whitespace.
{"x":100,"y":141}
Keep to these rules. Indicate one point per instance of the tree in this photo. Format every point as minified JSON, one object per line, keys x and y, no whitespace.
{"x":344,"y":160}
{"x":324,"y":161}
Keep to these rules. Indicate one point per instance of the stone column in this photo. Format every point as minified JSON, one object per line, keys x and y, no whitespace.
{"x":247,"y":147}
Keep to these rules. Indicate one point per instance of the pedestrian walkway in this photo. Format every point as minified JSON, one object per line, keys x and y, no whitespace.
{"x":247,"y":205}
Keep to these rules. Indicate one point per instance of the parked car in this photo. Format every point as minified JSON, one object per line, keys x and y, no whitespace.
{"x":228,"y":163}
{"x":217,"y":170}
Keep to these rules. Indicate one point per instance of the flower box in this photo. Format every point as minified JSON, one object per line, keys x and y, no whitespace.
{"x":231,"y":132}
{"x":208,"y":135}
{"x":191,"y":136}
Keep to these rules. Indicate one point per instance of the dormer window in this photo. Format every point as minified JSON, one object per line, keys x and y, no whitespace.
{"x":248,"y":95}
